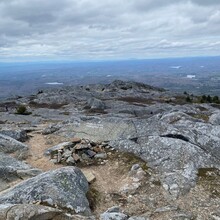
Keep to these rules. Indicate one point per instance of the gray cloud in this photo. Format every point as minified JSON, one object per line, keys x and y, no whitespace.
{"x":205,"y":2}
{"x":71,"y":29}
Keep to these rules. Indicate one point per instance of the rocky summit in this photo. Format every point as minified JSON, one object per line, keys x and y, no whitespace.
{"x":123,"y":151}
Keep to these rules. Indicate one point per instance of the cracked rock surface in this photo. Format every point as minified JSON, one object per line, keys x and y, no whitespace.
{"x":179,"y":142}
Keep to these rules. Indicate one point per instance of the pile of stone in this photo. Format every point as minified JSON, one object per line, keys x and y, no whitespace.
{"x":79,"y":151}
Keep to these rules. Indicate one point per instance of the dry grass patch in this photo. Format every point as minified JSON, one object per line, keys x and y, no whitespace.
{"x":136,"y":100}
{"x":47,"y":105}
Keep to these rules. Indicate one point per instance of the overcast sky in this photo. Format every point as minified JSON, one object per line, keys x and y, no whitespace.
{"x":108,"y":29}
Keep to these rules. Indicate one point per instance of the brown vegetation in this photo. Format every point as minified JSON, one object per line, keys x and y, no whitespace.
{"x":46,"y":105}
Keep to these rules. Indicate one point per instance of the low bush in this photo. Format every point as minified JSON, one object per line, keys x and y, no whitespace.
{"x":22,"y":110}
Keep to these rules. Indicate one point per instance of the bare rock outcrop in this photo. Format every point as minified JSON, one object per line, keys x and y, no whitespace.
{"x":10,"y":145}
{"x":64,"y":188}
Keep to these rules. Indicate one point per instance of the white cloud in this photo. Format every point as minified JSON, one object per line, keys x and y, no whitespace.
{"x":110,"y":29}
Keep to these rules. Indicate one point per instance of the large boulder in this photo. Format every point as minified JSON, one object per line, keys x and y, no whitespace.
{"x":98,"y":129}
{"x":29,"y":211}
{"x":215,"y":118}
{"x":12,"y":170}
{"x":64,"y":188}
{"x":95,"y":103}
{"x":36,"y":212}
{"x":51,"y":129}
{"x":9,"y":161}
{"x":10,"y":145}
{"x":177,"y":145}
{"x":177,"y":160}
{"x":19,"y":135}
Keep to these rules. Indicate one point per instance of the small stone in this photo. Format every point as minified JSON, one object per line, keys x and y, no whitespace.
{"x":174,"y":186}
{"x":113,"y":215}
{"x":60,"y":146}
{"x":76,"y":140}
{"x":59,"y":157}
{"x":83,"y":142}
{"x":85,"y":157}
{"x":215,"y":215}
{"x":93,"y":143}
{"x":130,"y":188}
{"x":53,"y":161}
{"x":101,"y":156}
{"x":76,"y":157}
{"x":54,"y":156}
{"x":165,"y":186}
{"x":81,"y":146}
{"x":73,"y":150}
{"x":140,"y":174}
{"x":90,"y":153}
{"x":77,"y":147}
{"x":135,"y":167}
{"x":89,"y":176}
{"x":137,"y":172}
{"x":97,"y":149}
{"x":183,"y":216}
{"x":114,"y":209}
{"x":138,"y":218}
{"x":166,"y":209}
{"x":67,"y":153}
{"x":104,"y":144}
{"x":70,"y":160}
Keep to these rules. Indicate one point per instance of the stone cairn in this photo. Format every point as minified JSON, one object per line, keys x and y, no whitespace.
{"x":79,"y":151}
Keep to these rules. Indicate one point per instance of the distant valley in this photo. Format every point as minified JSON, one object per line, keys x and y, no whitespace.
{"x":194,"y":75}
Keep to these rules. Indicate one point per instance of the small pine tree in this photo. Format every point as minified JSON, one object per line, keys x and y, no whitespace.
{"x":209,"y":99}
{"x":188,"y":99}
{"x":21,"y":110}
{"x":216,"y":99}
{"x":203,"y":99}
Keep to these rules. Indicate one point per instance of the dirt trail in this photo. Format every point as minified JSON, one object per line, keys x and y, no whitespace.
{"x":110,"y":177}
{"x":37,"y":144}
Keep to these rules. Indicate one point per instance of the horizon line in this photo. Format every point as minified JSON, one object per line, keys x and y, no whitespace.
{"x":102,"y":60}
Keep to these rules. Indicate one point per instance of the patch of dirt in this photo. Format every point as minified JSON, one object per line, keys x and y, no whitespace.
{"x":38,"y":145}
{"x":111,"y":176}
{"x":46,"y":105}
{"x":204,"y":117}
{"x":136,"y":100}
{"x":91,"y":111}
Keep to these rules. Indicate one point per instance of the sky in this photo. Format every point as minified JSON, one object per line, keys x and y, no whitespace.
{"x":108,"y":29}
